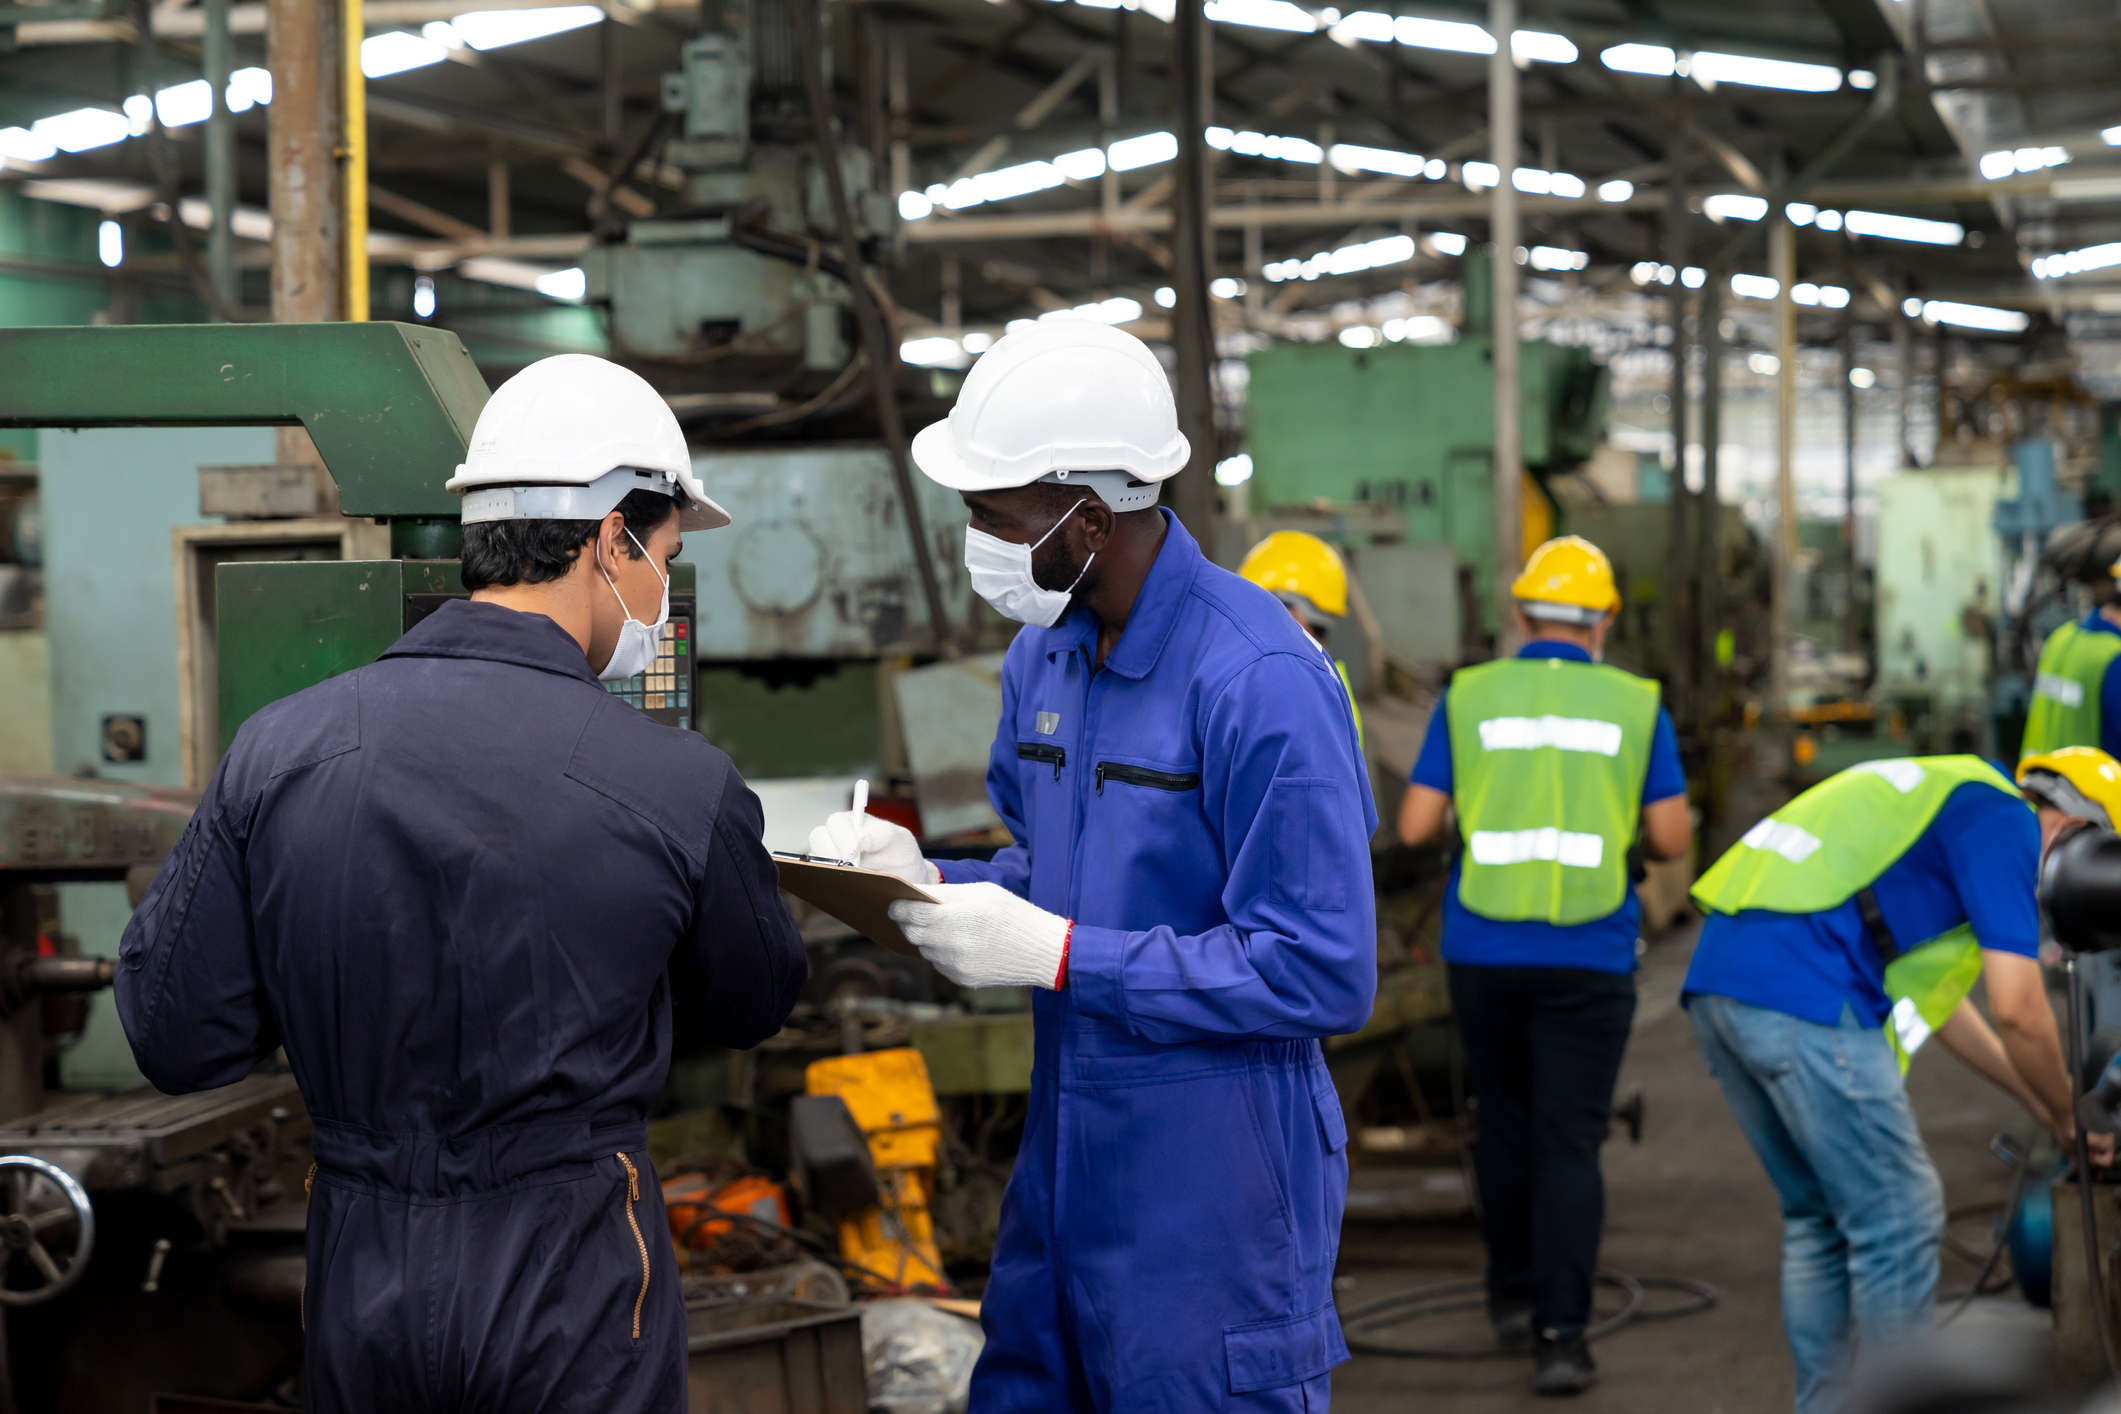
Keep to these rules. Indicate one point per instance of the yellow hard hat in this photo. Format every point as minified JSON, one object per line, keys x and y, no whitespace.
{"x":2077,"y":780}
{"x":2115,"y":569}
{"x":1291,"y":562}
{"x":1568,"y":580}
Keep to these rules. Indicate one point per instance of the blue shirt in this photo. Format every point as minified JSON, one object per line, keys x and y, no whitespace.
{"x":1602,"y":945}
{"x":1199,"y":807}
{"x":1977,"y":863}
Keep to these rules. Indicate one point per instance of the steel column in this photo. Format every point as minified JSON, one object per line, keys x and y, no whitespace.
{"x":1192,"y":494}
{"x":220,"y":156}
{"x":1782,"y":264}
{"x":1509,"y":415}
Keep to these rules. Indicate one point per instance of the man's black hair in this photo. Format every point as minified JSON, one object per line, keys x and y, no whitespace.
{"x":504,"y":552}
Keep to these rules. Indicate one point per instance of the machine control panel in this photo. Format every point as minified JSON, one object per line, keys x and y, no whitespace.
{"x":664,"y":692}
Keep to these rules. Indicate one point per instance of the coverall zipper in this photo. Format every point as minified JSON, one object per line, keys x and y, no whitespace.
{"x":1144,"y":776}
{"x":1041,"y":751}
{"x":633,"y":1196}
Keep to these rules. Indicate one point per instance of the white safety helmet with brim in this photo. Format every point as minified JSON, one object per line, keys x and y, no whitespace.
{"x":1067,"y":401}
{"x":567,"y":438}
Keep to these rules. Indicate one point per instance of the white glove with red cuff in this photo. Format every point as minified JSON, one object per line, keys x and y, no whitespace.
{"x":981,"y":935}
{"x":874,"y":844}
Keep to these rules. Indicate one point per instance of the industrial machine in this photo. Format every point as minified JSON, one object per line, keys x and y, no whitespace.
{"x":130,"y":1211}
{"x":1410,"y":429}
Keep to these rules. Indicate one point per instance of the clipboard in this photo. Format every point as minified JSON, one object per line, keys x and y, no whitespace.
{"x":857,"y":897}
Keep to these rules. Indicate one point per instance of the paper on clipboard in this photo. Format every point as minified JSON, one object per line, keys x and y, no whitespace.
{"x":859,"y":898}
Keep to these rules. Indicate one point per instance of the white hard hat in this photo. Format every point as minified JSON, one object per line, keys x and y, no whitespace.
{"x":567,"y":438}
{"x":1065,"y":400}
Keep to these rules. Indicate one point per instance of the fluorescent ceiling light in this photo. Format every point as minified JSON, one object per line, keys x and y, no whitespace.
{"x":1447,"y":242}
{"x":1975,"y":316}
{"x":1452,"y":35}
{"x":912,"y":206}
{"x":22,"y":145}
{"x":1165,"y":297}
{"x":1764,"y":364}
{"x":185,"y":104}
{"x":1652,"y":59}
{"x":1348,"y":260}
{"x":1862,"y":378}
{"x":2076,"y":262}
{"x":1831,"y":296}
{"x":1828,"y":220}
{"x":1903,"y":228}
{"x":139,"y":114}
{"x":1755,"y":286}
{"x":977,"y":342}
{"x":1801,"y":213}
{"x":1226,"y":287}
{"x":1364,"y":24}
{"x":937,"y":352}
{"x":1144,"y":151}
{"x":396,"y":52}
{"x":248,"y":88}
{"x":1262,"y":14}
{"x":1084,"y":164}
{"x":2110,"y":136}
{"x":1118,"y":310}
{"x":570,"y":284}
{"x":1418,"y":329}
{"x":1352,"y":159}
{"x":1479,"y":174}
{"x":1730,"y":206}
{"x":1862,"y":78}
{"x":1547,"y":257}
{"x":1764,"y":73}
{"x":82,"y":129}
{"x":1529,"y":44}
{"x":494,"y":29}
{"x":1615,"y":190}
{"x":1281,"y":149}
{"x":1361,"y":336}
{"x":1693,"y":277}
{"x":1234,"y":471}
{"x":110,"y":244}
{"x":2023,"y":159}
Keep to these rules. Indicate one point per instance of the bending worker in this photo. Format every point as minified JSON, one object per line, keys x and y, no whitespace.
{"x":1188,"y":894}
{"x":467,"y":889}
{"x":1550,"y":759}
{"x":1843,"y":931}
{"x":1307,"y":575}
{"x":2077,"y":689}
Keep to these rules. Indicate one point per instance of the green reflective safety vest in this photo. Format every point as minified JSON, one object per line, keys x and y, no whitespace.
{"x":1830,"y":843}
{"x":1349,"y":688}
{"x":1548,"y":758}
{"x":2066,"y":689}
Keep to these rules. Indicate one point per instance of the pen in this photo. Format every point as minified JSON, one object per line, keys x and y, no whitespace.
{"x":861,"y":808}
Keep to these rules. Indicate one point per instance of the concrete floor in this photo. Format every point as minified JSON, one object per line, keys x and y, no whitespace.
{"x":1691,"y":1201}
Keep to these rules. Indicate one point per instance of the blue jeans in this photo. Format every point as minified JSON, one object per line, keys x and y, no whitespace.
{"x":1825,"y":1109}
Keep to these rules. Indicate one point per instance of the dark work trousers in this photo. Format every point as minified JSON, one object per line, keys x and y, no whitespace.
{"x":1543,"y":1048}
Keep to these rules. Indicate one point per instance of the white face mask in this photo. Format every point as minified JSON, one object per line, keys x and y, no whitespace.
{"x":637,"y":641}
{"x":1001,"y":575}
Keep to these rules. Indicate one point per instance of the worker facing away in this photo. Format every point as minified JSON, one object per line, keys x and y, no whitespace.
{"x":471,"y":892}
{"x":1555,"y":765}
{"x":2077,"y":687}
{"x":1842,"y":933}
{"x":1188,"y":894}
{"x":1311,"y":580}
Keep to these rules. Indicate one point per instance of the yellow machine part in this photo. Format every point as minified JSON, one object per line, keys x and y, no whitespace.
{"x":893,"y":1101}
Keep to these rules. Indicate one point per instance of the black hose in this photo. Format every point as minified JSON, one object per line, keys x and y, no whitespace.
{"x":1995,"y":1253}
{"x":2084,"y":1175}
{"x":1453,"y":1297}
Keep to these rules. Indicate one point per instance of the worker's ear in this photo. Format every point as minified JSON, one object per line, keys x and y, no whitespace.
{"x":1098,"y":523}
{"x":611,"y":530}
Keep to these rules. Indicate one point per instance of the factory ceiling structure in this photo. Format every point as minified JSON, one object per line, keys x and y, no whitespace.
{"x":1974,"y":174}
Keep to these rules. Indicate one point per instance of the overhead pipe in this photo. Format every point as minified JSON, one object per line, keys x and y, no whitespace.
{"x":876,"y":340}
{"x":1507,"y":352}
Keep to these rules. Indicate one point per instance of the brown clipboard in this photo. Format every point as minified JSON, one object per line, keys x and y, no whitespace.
{"x":857,"y":897}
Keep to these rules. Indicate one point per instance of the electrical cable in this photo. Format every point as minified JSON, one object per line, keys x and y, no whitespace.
{"x":1995,"y":1254}
{"x":1468,"y":1294}
{"x":2084,"y":1171}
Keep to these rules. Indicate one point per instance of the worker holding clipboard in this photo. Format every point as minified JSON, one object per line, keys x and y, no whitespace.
{"x":1188,"y":892}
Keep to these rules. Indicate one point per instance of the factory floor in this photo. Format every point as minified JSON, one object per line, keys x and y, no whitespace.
{"x":1690,"y":1201}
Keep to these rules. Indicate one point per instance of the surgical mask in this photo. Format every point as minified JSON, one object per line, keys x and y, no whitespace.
{"x":637,"y":641}
{"x":1001,"y":575}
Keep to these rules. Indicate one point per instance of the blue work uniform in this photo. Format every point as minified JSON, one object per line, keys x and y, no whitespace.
{"x":470,"y":892}
{"x":1198,"y":807}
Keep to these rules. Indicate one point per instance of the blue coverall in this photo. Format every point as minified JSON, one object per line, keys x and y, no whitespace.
{"x":1199,"y":807}
{"x":467,"y":888}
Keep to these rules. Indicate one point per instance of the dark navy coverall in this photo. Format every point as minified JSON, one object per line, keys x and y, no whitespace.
{"x":1198,"y":805}
{"x":466,"y":888}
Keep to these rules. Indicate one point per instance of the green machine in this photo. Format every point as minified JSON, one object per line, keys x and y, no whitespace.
{"x":390,"y":408}
{"x":1411,"y":428}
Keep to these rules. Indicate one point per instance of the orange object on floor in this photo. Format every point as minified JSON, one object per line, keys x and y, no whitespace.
{"x":695,"y":1205}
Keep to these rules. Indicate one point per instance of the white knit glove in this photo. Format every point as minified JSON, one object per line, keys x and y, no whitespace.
{"x":873,"y":844}
{"x":981,"y":935}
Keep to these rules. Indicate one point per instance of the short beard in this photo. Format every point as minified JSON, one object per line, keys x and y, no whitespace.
{"x":1062,"y":568}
